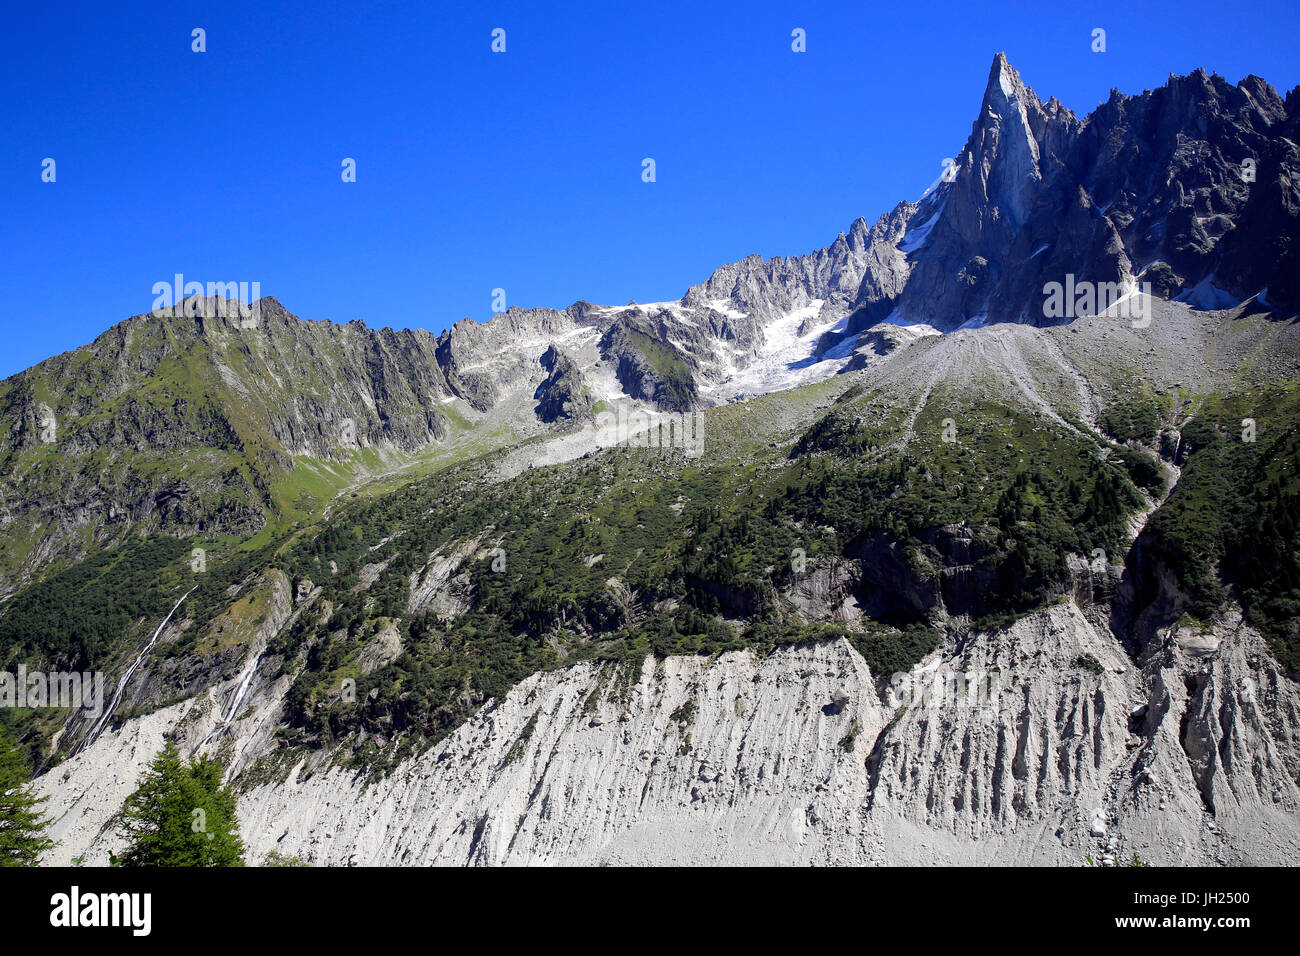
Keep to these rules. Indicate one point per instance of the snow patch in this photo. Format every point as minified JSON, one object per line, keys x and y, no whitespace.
{"x":788,"y":358}
{"x":723,"y":306}
{"x":1205,"y":295}
{"x":916,"y":237}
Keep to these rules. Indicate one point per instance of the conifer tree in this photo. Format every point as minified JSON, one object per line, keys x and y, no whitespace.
{"x":181,"y":815}
{"x":22,"y":825}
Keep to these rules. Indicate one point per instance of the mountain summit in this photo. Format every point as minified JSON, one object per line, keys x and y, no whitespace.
{"x":1193,"y":188}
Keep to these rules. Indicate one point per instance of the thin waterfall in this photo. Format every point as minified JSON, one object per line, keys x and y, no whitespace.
{"x":121,"y":684}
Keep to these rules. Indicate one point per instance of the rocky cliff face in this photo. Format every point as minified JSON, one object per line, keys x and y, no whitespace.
{"x":1193,"y":188}
{"x":1011,"y":747}
{"x":764,"y":290}
{"x":563,"y":394}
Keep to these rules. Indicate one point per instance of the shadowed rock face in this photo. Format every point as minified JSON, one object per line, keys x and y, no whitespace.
{"x":561,"y":395}
{"x":1152,"y":187}
{"x":648,"y":368}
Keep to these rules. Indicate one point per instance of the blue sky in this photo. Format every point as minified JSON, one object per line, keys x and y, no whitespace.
{"x":520,"y":170}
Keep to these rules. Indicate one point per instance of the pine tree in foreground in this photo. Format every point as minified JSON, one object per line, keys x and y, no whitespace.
{"x":21,"y":823}
{"x":181,"y":815}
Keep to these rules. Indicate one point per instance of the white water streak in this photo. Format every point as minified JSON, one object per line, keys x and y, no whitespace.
{"x":121,"y":684}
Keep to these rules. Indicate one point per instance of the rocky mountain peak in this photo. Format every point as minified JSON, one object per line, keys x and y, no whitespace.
{"x":1191,"y":187}
{"x":858,"y":234}
{"x":1005,"y":150}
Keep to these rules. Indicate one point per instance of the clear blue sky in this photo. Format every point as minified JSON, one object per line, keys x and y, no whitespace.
{"x":519,"y":170}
